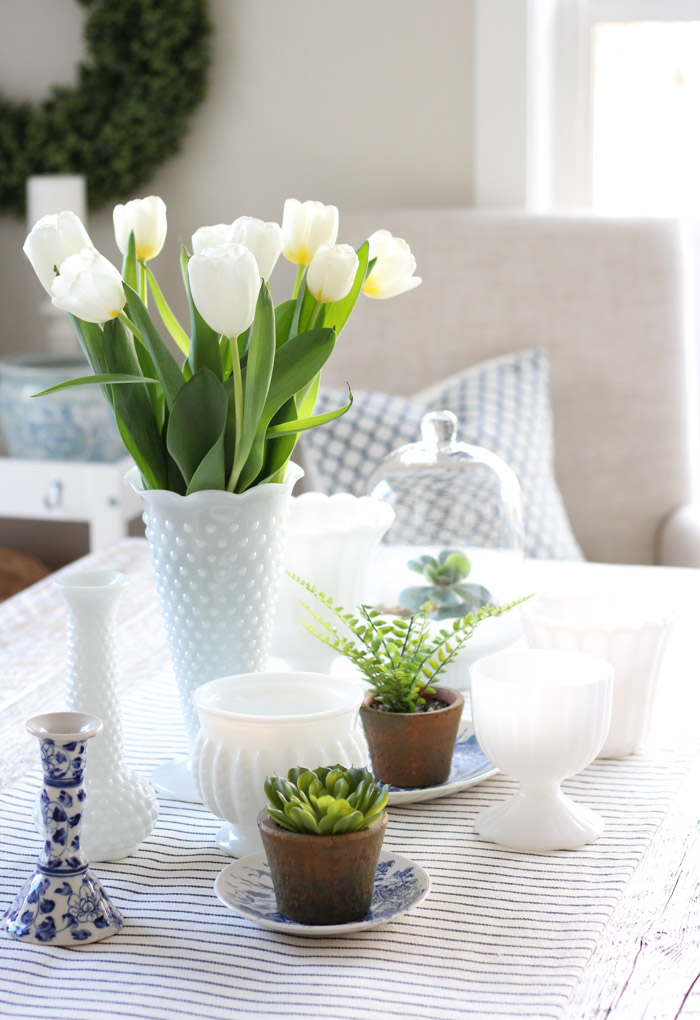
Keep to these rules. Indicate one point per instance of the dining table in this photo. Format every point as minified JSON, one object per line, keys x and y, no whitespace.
{"x":610,"y":930}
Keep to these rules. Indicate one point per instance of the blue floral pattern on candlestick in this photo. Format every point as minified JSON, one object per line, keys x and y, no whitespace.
{"x":62,"y":902}
{"x":246,"y":887}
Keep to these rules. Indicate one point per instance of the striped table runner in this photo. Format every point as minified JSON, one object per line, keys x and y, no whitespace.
{"x":502,"y":934}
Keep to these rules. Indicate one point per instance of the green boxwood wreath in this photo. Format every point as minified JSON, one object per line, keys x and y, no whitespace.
{"x":146,"y":73}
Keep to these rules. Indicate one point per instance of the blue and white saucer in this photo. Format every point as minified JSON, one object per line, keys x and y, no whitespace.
{"x":246,"y":887}
{"x":469,"y":767}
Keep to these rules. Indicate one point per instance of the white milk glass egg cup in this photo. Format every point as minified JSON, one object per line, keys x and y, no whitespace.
{"x":541,"y":716}
{"x":631,"y":636}
{"x":259,"y":724}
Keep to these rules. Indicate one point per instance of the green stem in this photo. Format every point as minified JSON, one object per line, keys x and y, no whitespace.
{"x":297,"y":283}
{"x":142,"y":288}
{"x":315,"y":314}
{"x":122,"y":316}
{"x":237,"y":410}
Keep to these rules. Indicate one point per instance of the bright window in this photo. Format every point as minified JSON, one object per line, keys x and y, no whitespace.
{"x":645,"y":123}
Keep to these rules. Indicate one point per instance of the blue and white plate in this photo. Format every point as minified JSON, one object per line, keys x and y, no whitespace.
{"x":246,"y":887}
{"x":469,"y":767}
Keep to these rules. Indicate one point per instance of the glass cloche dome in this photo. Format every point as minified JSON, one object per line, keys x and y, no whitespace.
{"x":457,"y":536}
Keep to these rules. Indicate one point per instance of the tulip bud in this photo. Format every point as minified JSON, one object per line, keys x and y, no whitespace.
{"x":225,"y":282}
{"x":393,"y":271}
{"x":89,"y":287}
{"x":147,"y":218}
{"x":263,"y":239}
{"x":209,"y":237}
{"x":332,"y":271}
{"x":52,"y":239}
{"x":305,"y":227}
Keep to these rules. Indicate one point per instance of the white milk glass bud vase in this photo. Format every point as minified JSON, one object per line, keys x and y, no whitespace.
{"x":121,"y":808}
{"x":217,"y":558}
{"x":330,"y":544}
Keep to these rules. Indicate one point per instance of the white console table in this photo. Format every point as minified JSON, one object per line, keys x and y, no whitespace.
{"x":82,"y":491}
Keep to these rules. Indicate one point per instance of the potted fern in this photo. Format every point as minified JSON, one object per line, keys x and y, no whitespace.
{"x":322,"y":831}
{"x":410,"y":723}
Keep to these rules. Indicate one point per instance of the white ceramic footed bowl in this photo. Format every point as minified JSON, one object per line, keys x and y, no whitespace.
{"x":258,"y":724}
{"x":541,"y":715}
{"x":630,"y":636}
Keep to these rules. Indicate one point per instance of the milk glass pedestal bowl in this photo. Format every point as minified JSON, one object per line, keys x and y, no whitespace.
{"x":629,"y":635}
{"x":258,"y":724}
{"x":541,"y":716}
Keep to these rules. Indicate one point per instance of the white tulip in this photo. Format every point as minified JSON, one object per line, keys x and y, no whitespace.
{"x":225,"y":282}
{"x":332,"y":271}
{"x":305,"y":227}
{"x":263,"y":239}
{"x":393,"y":271}
{"x":51,"y":240}
{"x":89,"y":287}
{"x":148,"y":220}
{"x":210,"y":237}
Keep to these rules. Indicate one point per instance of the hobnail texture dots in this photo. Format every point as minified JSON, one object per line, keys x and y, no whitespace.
{"x":217,"y":558}
{"x":122,"y":808}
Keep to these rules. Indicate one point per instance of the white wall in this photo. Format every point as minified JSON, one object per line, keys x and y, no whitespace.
{"x":361,"y":104}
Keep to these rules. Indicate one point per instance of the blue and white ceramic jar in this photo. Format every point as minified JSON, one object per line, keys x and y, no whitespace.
{"x":73,"y":424}
{"x":62,"y":903}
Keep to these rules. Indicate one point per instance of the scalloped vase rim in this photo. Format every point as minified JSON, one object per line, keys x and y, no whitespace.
{"x":630,"y":622}
{"x":360,"y":513}
{"x":206,"y":497}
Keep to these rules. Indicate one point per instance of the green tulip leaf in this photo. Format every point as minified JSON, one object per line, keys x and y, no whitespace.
{"x":167,"y":369}
{"x":296,"y":363}
{"x":284,"y":313}
{"x":167,"y":315}
{"x":133,"y":410}
{"x":91,"y":380}
{"x":259,"y":366}
{"x":130,"y":264}
{"x":195,"y":440}
{"x":301,"y":424}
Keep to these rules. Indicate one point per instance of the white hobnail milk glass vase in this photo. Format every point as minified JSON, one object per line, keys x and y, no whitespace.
{"x":330,"y":543}
{"x":121,"y":808}
{"x":217,"y":558}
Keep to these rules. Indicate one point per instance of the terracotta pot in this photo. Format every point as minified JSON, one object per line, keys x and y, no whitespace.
{"x":413,"y":749}
{"x":322,"y":879}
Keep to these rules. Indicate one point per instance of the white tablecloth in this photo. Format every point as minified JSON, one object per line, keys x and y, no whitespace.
{"x":502,"y":934}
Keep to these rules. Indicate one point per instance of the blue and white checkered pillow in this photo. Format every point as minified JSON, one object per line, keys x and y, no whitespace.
{"x":502,"y":404}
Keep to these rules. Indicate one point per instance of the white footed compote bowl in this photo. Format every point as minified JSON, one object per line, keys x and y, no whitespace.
{"x":541,"y":716}
{"x":629,"y":633}
{"x":255,"y":725}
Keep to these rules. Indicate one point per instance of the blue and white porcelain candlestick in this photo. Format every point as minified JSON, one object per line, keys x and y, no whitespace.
{"x":122,"y":805}
{"x":62,"y":903}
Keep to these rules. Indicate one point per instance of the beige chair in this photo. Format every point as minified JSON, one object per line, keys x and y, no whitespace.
{"x":607,"y":299}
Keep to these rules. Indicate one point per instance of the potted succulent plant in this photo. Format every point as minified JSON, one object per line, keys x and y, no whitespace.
{"x":411,"y":725}
{"x":322,"y":830}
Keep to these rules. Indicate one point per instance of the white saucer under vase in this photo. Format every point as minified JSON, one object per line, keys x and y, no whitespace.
{"x":217,"y":558}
